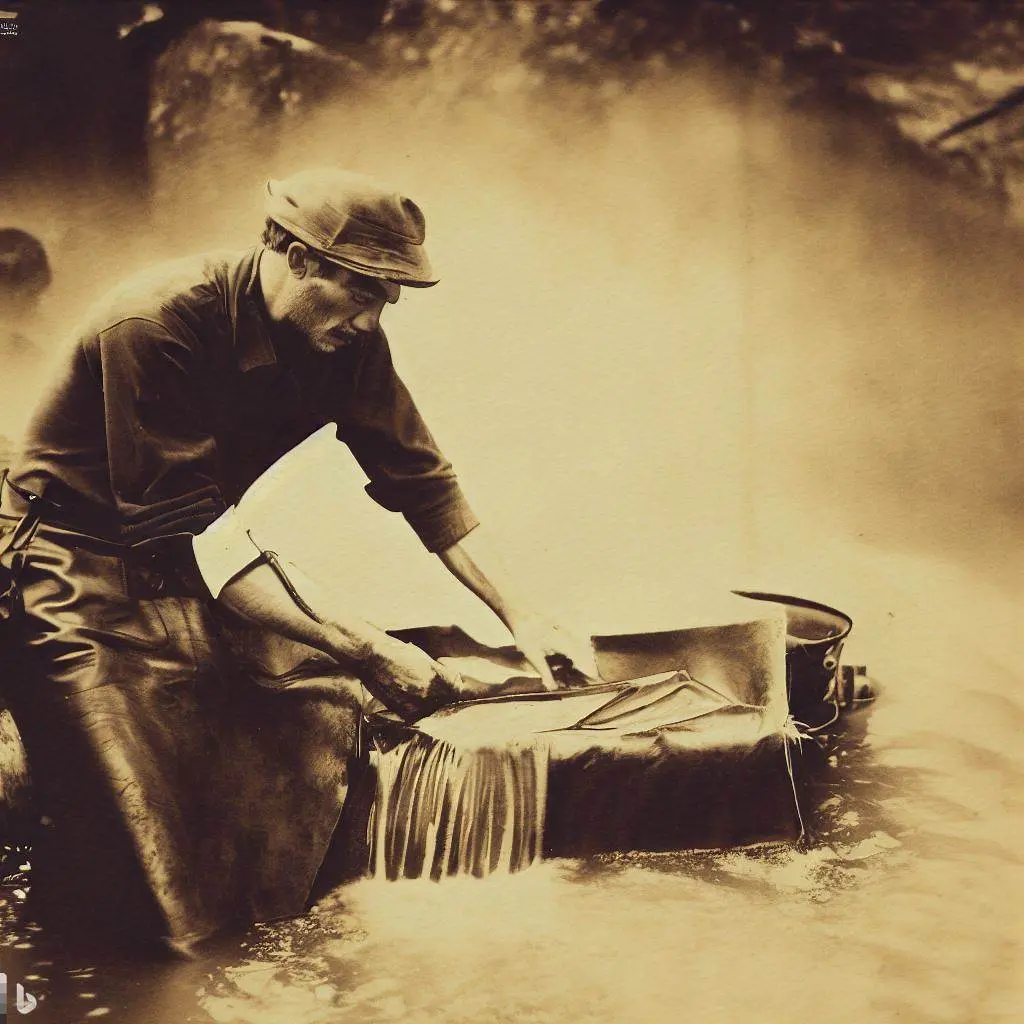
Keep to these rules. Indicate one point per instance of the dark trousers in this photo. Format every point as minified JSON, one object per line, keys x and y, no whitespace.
{"x":192,"y":769}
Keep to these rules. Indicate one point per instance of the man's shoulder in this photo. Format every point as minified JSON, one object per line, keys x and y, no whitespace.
{"x":176,"y":294}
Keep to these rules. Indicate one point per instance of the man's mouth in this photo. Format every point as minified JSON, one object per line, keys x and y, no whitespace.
{"x":343,"y":335}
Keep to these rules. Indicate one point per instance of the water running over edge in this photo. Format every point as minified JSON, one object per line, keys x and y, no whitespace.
{"x":442,"y":811}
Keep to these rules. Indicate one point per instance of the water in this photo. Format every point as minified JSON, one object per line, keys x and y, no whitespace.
{"x":442,"y":811}
{"x":905,"y":908}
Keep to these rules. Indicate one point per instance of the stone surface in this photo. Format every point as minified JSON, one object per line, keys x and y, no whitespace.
{"x":913,"y":69}
{"x":15,"y":788}
{"x":242,"y":75}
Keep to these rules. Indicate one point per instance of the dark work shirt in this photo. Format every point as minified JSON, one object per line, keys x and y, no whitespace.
{"x":173,"y":399}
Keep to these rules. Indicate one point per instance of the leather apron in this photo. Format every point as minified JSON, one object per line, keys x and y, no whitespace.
{"x":191,"y":769}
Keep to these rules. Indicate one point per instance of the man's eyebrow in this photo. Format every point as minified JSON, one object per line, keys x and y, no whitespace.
{"x":368,"y":284}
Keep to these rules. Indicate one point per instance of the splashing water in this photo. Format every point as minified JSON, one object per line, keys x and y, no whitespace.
{"x":443,"y":811}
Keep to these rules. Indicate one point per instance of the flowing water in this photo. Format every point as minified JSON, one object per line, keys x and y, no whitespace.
{"x":444,"y":811}
{"x":905,"y":907}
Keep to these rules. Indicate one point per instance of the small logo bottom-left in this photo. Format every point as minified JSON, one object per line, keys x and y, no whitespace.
{"x":24,"y":1001}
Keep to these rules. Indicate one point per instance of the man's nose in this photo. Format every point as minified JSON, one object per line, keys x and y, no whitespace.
{"x":369,"y":319}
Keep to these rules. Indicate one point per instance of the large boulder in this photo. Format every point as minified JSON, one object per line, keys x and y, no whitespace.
{"x":227,"y":90}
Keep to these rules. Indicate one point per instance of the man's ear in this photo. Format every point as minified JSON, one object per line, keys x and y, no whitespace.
{"x":298,"y":259}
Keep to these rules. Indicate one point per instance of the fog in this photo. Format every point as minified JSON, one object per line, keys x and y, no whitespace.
{"x":686,"y":338}
{"x":682,"y":330}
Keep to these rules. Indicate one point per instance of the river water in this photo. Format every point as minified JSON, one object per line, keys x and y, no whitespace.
{"x":906,"y":907}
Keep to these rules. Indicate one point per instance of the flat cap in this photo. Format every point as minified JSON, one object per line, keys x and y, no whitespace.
{"x":354,"y":221}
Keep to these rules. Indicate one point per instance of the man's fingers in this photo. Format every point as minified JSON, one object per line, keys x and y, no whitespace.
{"x":584,"y":660}
{"x":450,"y":676}
{"x":580,"y":655}
{"x":536,"y":658}
{"x":547,"y":679}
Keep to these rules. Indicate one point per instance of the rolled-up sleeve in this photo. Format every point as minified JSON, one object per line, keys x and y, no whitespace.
{"x":407,"y":471}
{"x":162,"y":459}
{"x":223,"y":550}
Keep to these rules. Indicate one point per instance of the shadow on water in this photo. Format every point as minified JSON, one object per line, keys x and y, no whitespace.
{"x":843,"y":792}
{"x":78,"y":980}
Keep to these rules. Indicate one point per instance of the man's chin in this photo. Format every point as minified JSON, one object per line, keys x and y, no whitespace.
{"x":329,"y":343}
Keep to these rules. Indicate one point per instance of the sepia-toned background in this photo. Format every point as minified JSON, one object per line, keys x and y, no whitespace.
{"x":713,"y":314}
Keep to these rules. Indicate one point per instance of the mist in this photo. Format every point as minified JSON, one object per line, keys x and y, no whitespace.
{"x":682,"y":332}
{"x":688,"y":338}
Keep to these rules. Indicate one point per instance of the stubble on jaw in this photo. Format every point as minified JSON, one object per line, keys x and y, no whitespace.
{"x":321,"y":346}
{"x":341,"y":341}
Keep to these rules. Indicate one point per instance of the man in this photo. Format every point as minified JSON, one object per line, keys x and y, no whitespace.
{"x":191,"y":780}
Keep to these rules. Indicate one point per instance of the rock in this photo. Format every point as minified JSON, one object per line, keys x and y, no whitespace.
{"x":239,"y":78}
{"x":15,"y":785}
{"x":876,"y":843}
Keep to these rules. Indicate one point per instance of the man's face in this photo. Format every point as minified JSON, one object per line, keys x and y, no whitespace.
{"x":331,"y":306}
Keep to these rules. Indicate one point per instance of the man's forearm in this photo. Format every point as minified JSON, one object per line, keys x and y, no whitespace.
{"x":475,"y":564}
{"x":406,"y":679}
{"x":257,"y":594}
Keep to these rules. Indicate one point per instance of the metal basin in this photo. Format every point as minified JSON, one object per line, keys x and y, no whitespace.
{"x":814,"y":642}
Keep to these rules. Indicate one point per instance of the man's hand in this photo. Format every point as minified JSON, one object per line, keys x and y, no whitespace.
{"x":476,"y":565}
{"x":397,"y":673}
{"x":408,"y":680}
{"x":539,"y":639}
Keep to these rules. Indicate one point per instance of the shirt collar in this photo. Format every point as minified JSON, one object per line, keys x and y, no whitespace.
{"x":252,"y":339}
